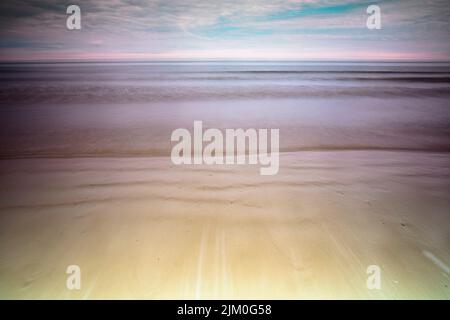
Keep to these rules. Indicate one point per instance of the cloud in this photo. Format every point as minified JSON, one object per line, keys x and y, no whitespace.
{"x":220,"y":29}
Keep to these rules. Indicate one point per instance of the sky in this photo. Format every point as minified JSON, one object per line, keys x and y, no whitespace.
{"x":412,"y":30}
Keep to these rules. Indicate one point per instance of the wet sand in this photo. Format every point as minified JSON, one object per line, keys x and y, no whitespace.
{"x":143,"y":228}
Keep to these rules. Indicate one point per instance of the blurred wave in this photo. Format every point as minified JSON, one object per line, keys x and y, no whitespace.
{"x":146,"y":82}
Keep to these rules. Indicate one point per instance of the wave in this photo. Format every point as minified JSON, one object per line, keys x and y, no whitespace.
{"x":166,"y":153}
{"x":146,"y":94}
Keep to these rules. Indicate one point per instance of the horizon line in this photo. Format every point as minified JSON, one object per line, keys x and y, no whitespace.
{"x":11,"y":61}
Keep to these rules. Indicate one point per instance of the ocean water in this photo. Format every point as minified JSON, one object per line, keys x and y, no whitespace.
{"x":130,"y":109}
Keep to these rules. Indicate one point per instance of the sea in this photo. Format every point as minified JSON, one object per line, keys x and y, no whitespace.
{"x":122,"y":109}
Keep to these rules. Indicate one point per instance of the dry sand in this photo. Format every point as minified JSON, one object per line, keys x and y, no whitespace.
{"x":143,"y":228}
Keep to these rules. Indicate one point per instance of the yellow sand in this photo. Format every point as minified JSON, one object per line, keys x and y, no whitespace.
{"x":143,"y":228}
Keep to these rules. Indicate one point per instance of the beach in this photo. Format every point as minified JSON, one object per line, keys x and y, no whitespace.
{"x":87,"y":180}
